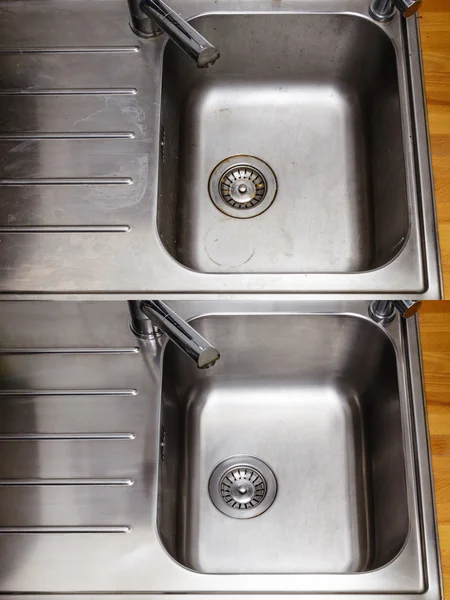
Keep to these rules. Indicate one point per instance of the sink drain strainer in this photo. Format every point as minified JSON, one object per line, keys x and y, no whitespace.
{"x":242,"y":186}
{"x":242,"y":487}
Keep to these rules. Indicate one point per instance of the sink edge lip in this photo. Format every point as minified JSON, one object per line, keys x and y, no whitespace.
{"x":398,"y":333}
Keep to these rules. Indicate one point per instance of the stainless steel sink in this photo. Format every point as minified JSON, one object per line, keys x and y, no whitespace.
{"x":317,"y":98}
{"x":112,"y":146}
{"x":113,"y":449}
{"x":296,"y":168}
{"x":317,"y":399}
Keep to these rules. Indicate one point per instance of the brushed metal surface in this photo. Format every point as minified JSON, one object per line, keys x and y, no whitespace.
{"x":317,"y":407}
{"x":83,"y":211}
{"x":92,"y":488}
{"x":327,"y":123}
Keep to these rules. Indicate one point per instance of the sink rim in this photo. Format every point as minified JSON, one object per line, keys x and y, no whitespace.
{"x":365,"y":284}
{"x":395,"y":575}
{"x":392,"y":337}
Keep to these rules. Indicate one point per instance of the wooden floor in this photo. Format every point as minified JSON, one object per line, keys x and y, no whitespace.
{"x":435,"y":33}
{"x":435,"y":334}
{"x":435,"y":316}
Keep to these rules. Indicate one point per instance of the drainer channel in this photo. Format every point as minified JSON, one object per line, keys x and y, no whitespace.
{"x":242,"y":186}
{"x":242,"y":487}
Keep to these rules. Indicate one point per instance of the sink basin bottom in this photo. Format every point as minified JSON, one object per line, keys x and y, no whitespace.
{"x":312,"y":439}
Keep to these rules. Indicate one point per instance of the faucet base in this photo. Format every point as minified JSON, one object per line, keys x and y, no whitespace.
{"x":382,"y":311}
{"x":140,"y":23}
{"x":144,"y":28}
{"x":382,"y":10}
{"x":140,"y":324}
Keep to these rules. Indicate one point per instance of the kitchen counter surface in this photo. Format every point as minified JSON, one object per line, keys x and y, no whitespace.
{"x":80,"y":147}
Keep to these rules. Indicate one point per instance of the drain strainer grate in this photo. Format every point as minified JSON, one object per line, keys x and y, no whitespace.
{"x":242,"y":487}
{"x":242,"y":186}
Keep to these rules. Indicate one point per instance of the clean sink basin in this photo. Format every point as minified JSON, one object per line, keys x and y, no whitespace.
{"x":317,"y":399}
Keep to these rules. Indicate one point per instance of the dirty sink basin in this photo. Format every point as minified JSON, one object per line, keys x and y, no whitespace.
{"x":287,"y":156}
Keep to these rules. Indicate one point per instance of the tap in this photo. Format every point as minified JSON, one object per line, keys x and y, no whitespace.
{"x":384,"y":311}
{"x":150,"y":17}
{"x":152,"y":318}
{"x":384,"y":10}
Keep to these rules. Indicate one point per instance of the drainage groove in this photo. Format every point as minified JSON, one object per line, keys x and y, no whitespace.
{"x":242,"y":487}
